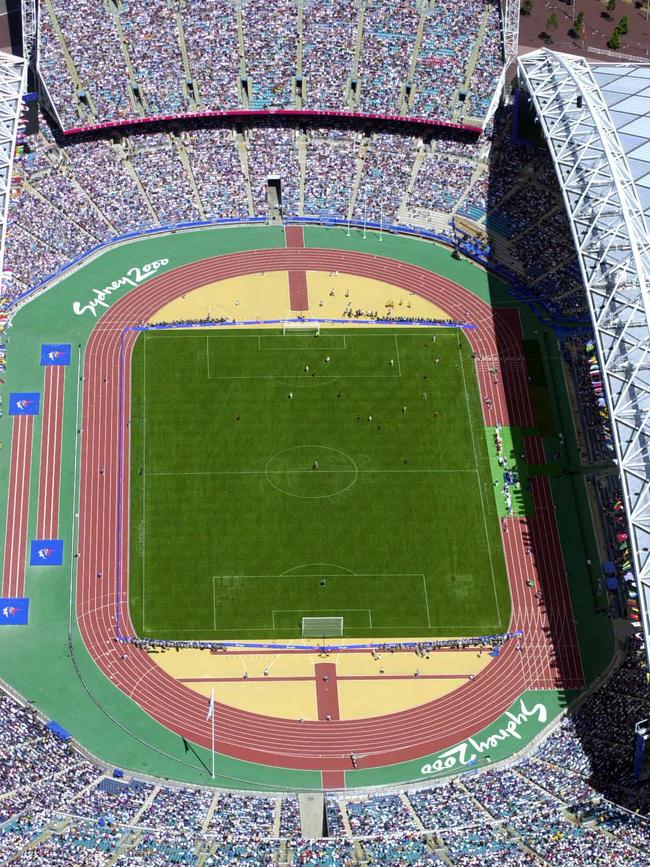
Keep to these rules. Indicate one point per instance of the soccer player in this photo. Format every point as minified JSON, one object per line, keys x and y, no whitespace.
{"x":316,"y":465}
{"x":290,"y":395}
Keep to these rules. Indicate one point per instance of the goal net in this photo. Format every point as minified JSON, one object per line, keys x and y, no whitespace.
{"x":293,"y":326}
{"x":322,"y":627}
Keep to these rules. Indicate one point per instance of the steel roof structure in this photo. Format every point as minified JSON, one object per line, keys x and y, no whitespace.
{"x":611,"y":236}
{"x":13,"y":72}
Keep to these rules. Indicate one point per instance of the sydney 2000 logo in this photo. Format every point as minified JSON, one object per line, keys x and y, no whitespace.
{"x":132,"y":278}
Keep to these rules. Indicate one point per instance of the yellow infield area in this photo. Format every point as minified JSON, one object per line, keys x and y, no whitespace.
{"x":367,"y":685}
{"x":284,"y":683}
{"x":266,"y":296}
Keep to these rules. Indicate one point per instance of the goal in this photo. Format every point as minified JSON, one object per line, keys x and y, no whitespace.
{"x":322,"y":627}
{"x":298,"y":326}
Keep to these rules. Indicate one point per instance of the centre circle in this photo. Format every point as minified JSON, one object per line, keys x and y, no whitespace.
{"x":311,"y":472}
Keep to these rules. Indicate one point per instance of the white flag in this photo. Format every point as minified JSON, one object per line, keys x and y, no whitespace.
{"x":210,"y":706}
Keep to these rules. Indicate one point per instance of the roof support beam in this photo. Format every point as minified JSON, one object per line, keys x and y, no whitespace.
{"x":613,"y":244}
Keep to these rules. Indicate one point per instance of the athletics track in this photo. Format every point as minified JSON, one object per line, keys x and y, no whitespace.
{"x":548,"y":657}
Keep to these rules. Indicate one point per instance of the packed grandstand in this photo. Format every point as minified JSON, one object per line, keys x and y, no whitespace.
{"x":371,"y":115}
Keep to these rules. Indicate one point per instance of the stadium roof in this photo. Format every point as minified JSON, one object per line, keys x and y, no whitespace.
{"x":593,"y":120}
{"x":12,"y":83}
{"x":626,"y":90}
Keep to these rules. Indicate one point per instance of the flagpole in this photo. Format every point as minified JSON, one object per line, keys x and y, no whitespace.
{"x":212,"y":704}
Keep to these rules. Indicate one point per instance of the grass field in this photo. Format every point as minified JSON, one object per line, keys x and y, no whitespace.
{"x":236,"y":534}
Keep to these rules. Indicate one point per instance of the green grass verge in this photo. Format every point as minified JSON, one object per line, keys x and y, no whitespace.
{"x":354,"y":497}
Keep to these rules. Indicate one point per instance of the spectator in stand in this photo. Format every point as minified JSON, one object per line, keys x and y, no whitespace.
{"x":329,"y":31}
{"x":389,"y":31}
{"x":271,"y":49}
{"x":213,"y":62}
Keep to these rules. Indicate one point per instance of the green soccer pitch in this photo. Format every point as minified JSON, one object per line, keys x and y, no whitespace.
{"x":269,"y":484}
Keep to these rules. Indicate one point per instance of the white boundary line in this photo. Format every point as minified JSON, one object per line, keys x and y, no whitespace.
{"x":478,"y":481}
{"x":307,"y":472}
{"x":144,"y":473}
{"x":325,"y":376}
{"x":330,"y":575}
{"x":426,"y":601}
{"x":295,"y":348}
{"x":324,"y":575}
{"x":399,"y":365}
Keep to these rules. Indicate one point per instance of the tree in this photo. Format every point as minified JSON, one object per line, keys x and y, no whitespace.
{"x":527,"y":7}
{"x":551,"y":22}
{"x":611,"y":5}
{"x":614,"y":41}
{"x":623,"y":25}
{"x":579,"y":25}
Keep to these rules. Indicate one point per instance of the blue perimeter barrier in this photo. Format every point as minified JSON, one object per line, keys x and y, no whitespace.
{"x":433,"y":644}
{"x":207,"y":323}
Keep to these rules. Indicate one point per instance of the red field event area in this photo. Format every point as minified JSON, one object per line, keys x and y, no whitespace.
{"x":323,"y":403}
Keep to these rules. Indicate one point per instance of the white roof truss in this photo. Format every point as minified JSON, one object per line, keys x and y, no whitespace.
{"x":13,"y":72}
{"x":613,"y":244}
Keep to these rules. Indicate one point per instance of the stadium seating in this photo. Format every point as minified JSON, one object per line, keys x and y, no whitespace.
{"x":324,"y":55}
{"x":563,"y":805}
{"x":108,"y":187}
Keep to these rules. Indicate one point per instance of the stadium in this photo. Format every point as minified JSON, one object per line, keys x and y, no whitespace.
{"x":324,"y":433}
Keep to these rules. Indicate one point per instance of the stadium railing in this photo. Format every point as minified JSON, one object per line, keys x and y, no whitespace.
{"x":279,"y":112}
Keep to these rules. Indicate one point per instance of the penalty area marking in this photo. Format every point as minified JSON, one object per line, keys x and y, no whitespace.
{"x":318,"y":612}
{"x":279,"y":337}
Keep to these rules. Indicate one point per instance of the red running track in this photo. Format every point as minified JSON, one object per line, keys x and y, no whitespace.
{"x":47,"y":521}
{"x":13,"y":572}
{"x":287,"y":742}
{"x":298,"y":293}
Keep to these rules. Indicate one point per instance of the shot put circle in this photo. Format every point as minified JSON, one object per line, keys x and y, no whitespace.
{"x":311,"y":472}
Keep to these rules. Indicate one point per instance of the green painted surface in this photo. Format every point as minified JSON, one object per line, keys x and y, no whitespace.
{"x":523,"y":721}
{"x":512,"y":451}
{"x":35,"y":659}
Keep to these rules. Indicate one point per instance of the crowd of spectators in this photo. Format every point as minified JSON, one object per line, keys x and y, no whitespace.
{"x":448,"y":39}
{"x":385,"y":177}
{"x":99,"y":64}
{"x":389,"y":31}
{"x":566,"y":803}
{"x":102,"y":73}
{"x":106,"y":186}
{"x":329,"y":30}
{"x":213,"y":62}
{"x":152,"y":41}
{"x":216,"y":168}
{"x":488,"y":64}
{"x":331,"y":162}
{"x":270,"y":39}
{"x":441,"y":183}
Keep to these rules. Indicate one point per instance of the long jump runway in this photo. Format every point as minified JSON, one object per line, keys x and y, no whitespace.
{"x":547,"y":658}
